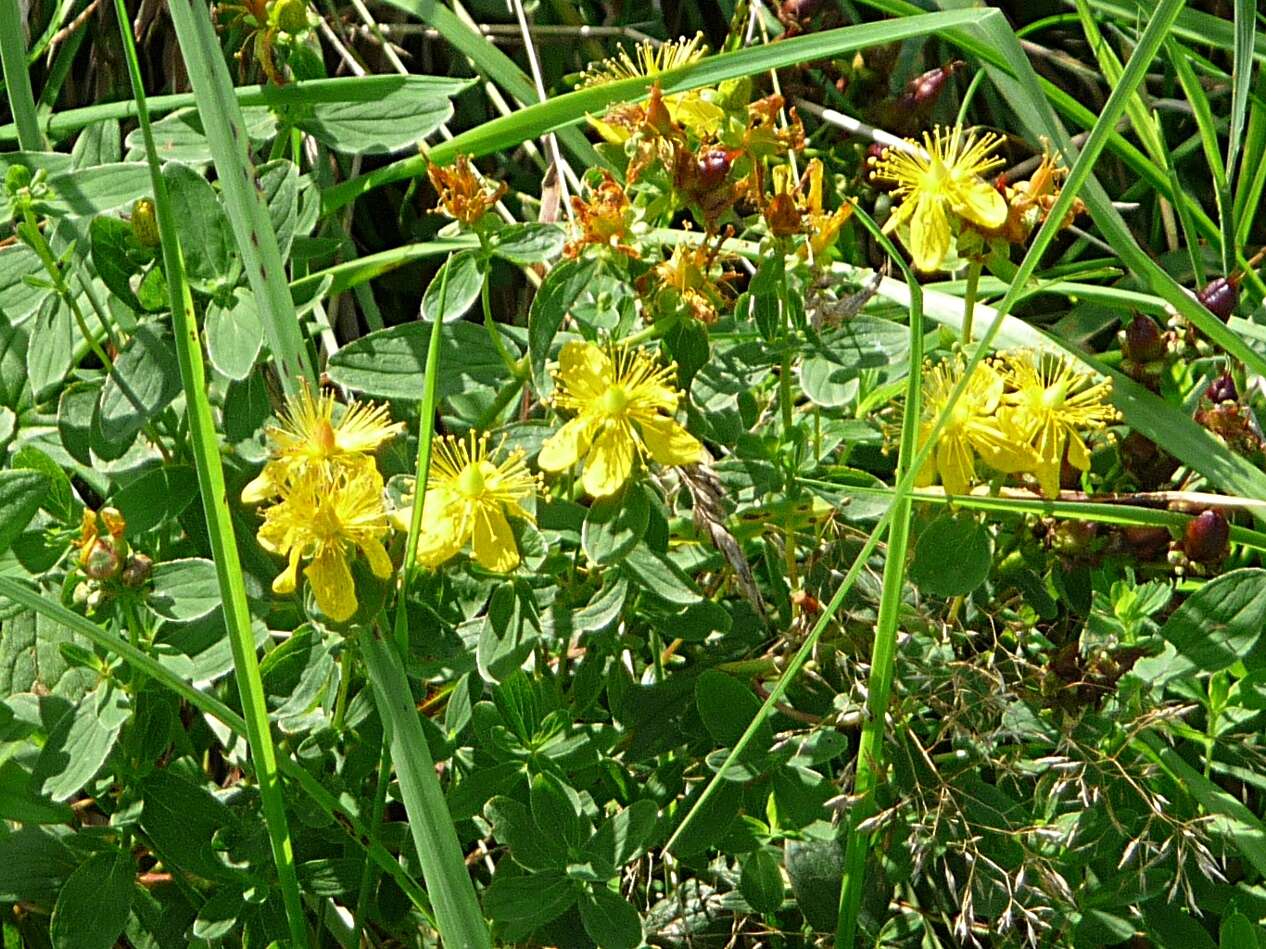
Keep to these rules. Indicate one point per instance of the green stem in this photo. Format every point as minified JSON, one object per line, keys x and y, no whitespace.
{"x":447,"y":881}
{"x":17,"y":80}
{"x":219,"y":519}
{"x":969,"y":298}
{"x":512,"y":365}
{"x":375,"y":821}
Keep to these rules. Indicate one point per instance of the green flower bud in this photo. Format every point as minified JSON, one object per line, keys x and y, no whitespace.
{"x":144,"y":223}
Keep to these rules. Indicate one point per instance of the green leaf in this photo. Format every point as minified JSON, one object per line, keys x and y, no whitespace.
{"x":145,"y":379}
{"x":180,"y":136}
{"x":60,"y":501}
{"x":279,"y":181}
{"x":86,"y":191}
{"x":34,"y":863}
{"x":622,"y":837}
{"x":562,"y":287}
{"x":389,"y":364}
{"x":181,"y":818}
{"x":18,"y":264}
{"x":31,"y":659}
{"x":530,"y":900}
{"x":727,"y":707}
{"x":50,"y":348}
{"x":466,"y":277}
{"x":1237,"y":932}
{"x":532,"y":242}
{"x":952,"y":556}
{"x":761,"y":881}
{"x":13,"y":346}
{"x":610,"y":920}
{"x":386,"y":119}
{"x":206,"y":239}
{"x":555,"y":810}
{"x":1173,"y":928}
{"x":158,"y":495}
{"x":815,"y":867}
{"x":20,"y":802}
{"x":1221,"y":623}
{"x":185,"y":589}
{"x":113,"y":252}
{"x":22,"y":492}
{"x":614,"y":525}
{"x":219,"y":915}
{"x":235,"y":334}
{"x":93,"y":906}
{"x":659,"y":576}
{"x":78,"y":745}
{"x":828,"y":376}
{"x":533,"y":848}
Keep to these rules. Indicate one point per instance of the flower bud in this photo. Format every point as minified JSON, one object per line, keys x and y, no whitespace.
{"x":1220,"y":297}
{"x":1206,"y":537}
{"x":1142,"y":340}
{"x":17,"y":178}
{"x":291,"y":15}
{"x":874,"y":154}
{"x":1222,"y":389}
{"x":144,"y":223}
{"x":100,"y":561}
{"x":137,"y":571}
{"x":922,"y":91}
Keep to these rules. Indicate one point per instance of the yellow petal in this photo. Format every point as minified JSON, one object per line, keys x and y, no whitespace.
{"x":1078,"y":453}
{"x":1048,"y":477}
{"x":668,"y":442}
{"x":284,"y":582}
{"x":956,"y":465}
{"x":900,"y":215}
{"x":264,"y":486}
{"x":929,"y":234}
{"x":332,"y":585}
{"x":611,"y":133}
{"x":980,"y":202}
{"x":376,"y":554}
{"x":494,"y":541}
{"x":444,"y":529}
{"x":566,"y":446}
{"x":609,"y":462}
{"x":584,"y":370}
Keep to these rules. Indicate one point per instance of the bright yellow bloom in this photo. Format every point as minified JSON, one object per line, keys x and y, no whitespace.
{"x":973,"y":428}
{"x":1051,"y":405}
{"x":308,"y":437}
{"x":324,"y":518}
{"x":468,"y":496}
{"x":940,"y":178}
{"x":624,"y":404}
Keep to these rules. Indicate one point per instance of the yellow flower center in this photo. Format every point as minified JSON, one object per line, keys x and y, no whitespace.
{"x":1053,"y":397}
{"x":325,"y":522}
{"x":471,"y":481}
{"x":960,"y":415}
{"x":614,"y":400}
{"x":935,"y":176}
{"x":325,"y":437}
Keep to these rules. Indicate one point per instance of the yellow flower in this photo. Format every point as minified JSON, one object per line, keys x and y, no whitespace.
{"x":685,"y":278}
{"x":973,"y":428}
{"x":324,"y":518}
{"x":468,"y":496}
{"x":941,"y":177}
{"x":624,"y":404}
{"x":308,"y":437}
{"x":1051,"y":405}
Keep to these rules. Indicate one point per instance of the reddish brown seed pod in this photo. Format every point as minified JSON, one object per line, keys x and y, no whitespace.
{"x":1220,"y":296}
{"x":1148,"y":543}
{"x":1206,"y":537}
{"x":712,"y":167}
{"x":923,"y":90}
{"x":1143,"y":340}
{"x":1222,"y":389}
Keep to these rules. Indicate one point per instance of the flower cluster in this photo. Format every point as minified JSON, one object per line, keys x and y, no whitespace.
{"x":325,"y":497}
{"x":1026,"y":412}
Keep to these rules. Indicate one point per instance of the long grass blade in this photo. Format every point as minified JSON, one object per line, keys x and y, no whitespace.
{"x":219,"y":519}
{"x":243,"y":199}
{"x":17,"y":80}
{"x":448,"y":883}
{"x":1241,"y":80}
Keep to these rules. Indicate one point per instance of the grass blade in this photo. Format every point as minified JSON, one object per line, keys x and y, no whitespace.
{"x":243,"y":201}
{"x":1241,"y":78}
{"x":457,"y":912}
{"x":17,"y":80}
{"x":206,"y":450}
{"x":140,"y":661}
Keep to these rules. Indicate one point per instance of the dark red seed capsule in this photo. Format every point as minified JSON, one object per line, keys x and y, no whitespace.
{"x":1148,"y":543}
{"x":1222,"y":389}
{"x":1206,"y":537}
{"x":712,"y":167}
{"x":800,"y":9}
{"x":923,"y":90}
{"x":1220,"y":297}
{"x":1143,"y":341}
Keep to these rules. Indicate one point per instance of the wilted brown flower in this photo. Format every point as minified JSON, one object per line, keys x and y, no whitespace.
{"x":462,"y":195}
{"x":603,"y":220}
